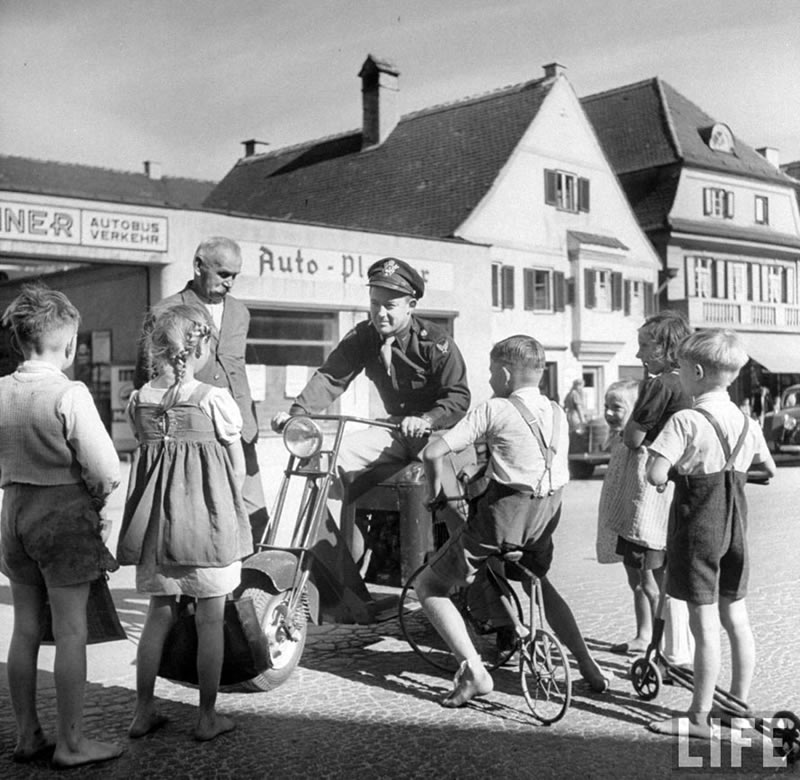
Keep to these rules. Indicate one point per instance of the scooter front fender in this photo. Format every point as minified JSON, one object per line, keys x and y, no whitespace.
{"x":276,"y":569}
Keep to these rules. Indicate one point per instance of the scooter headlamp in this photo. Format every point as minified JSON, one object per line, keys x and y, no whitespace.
{"x":302,"y":437}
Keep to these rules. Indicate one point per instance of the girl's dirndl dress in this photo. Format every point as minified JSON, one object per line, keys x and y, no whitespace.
{"x":185,"y":526}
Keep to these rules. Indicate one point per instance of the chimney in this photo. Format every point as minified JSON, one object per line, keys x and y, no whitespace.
{"x":379,"y":91}
{"x":771,"y":155}
{"x":152,"y":170}
{"x":250,"y":146}
{"x":553,"y":69}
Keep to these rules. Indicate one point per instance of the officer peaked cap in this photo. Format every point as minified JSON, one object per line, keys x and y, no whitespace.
{"x":395,"y":274}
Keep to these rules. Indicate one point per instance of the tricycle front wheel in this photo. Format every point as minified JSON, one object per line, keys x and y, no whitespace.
{"x":286,"y":636}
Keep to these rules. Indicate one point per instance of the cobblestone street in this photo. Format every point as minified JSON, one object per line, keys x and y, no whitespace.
{"x":363,"y":705}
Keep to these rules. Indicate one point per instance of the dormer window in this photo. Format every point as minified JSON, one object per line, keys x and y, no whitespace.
{"x":720,"y":138}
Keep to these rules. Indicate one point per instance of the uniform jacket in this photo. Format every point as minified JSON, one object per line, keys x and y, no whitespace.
{"x":226,"y":368}
{"x":427,"y":377}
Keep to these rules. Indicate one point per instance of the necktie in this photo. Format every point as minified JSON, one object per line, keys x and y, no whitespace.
{"x":386,"y":353}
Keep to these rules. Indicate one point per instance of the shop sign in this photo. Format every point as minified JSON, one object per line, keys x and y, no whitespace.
{"x":83,"y":227}
{"x":280,"y":262}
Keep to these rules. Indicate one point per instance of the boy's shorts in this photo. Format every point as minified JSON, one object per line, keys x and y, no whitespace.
{"x":500,"y":516}
{"x":706,"y":545}
{"x":637,"y":556}
{"x":50,"y":536}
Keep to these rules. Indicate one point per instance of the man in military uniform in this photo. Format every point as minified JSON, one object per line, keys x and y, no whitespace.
{"x":416,"y":368}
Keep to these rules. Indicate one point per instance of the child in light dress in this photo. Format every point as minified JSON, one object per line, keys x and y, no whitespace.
{"x":642,"y":523}
{"x":184,"y":526}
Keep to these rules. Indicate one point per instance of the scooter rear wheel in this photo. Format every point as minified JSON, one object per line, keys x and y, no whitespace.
{"x":285,"y":642}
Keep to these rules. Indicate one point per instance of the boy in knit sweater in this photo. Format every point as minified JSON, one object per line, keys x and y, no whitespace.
{"x":58,"y":465}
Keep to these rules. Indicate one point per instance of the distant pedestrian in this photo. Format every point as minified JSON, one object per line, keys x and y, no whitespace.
{"x":575,"y":407}
{"x":707,"y":450}
{"x":58,"y":466}
{"x":642,"y":522}
{"x":185,"y":525}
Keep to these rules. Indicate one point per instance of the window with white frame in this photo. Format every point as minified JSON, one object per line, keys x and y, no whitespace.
{"x":603,"y":289}
{"x":566,"y":191}
{"x":704,"y":277}
{"x":537,"y":289}
{"x":717,"y":202}
{"x":502,"y":286}
{"x":762,"y":210}
{"x":634,"y":298}
{"x":737,"y":276}
{"x":773,"y":287}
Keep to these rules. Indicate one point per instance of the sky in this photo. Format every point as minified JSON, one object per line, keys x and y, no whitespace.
{"x":113,"y":83}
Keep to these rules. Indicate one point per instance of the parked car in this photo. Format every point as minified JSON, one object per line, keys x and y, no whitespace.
{"x":587,"y":445}
{"x":782,"y":428}
{"x":587,"y":448}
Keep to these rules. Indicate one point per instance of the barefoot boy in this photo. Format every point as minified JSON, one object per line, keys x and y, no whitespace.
{"x":521,"y":506}
{"x":57,"y":467}
{"x":709,"y":449}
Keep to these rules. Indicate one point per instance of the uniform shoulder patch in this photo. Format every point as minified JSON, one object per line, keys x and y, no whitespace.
{"x":443,"y":345}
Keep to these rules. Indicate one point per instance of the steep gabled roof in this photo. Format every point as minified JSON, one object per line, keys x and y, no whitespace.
{"x":425,"y":179}
{"x":39,"y":177}
{"x":650,"y":124}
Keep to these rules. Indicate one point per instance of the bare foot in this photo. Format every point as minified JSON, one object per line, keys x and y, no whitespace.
{"x":469,"y":683}
{"x":686,"y":725}
{"x":598,"y":680}
{"x":146,"y":723}
{"x":35,"y":747}
{"x":90,"y":751}
{"x":631,"y":647}
{"x":210,"y":727}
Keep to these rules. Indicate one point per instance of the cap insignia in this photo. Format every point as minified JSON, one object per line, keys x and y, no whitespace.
{"x":389,"y":268}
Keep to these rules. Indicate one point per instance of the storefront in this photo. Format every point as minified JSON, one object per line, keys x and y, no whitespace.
{"x":305,"y":287}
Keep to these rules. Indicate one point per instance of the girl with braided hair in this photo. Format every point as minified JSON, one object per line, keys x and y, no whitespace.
{"x":185,"y":526}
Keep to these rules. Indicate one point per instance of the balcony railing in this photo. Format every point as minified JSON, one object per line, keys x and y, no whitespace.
{"x":704,"y":312}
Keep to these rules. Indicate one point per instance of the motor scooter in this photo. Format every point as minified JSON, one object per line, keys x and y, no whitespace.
{"x":289,"y":582}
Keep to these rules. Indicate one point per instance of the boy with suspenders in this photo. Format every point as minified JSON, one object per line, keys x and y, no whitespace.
{"x":707,"y":450}
{"x":520,"y":506}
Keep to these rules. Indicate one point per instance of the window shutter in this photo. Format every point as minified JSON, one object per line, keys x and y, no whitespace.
{"x":627,"y":298}
{"x":508,"y":286}
{"x":589,"y":295}
{"x":583,"y":194}
{"x":649,"y":300}
{"x":616,"y":291}
{"x":550,"y":187}
{"x":527,"y":289}
{"x":729,"y":205}
{"x":708,"y":201}
{"x":559,"y":291}
{"x":496,"y":285}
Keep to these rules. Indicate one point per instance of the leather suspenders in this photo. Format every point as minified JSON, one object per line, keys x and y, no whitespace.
{"x":548,"y":451}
